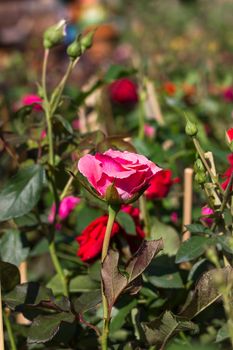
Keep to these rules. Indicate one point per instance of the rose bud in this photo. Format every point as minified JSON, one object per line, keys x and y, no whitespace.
{"x":128,"y":173}
{"x":74,"y":50}
{"x":54,"y":35}
{"x":191,"y":128}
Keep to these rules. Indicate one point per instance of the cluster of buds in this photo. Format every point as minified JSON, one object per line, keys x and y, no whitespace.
{"x":200,"y":173}
{"x":55,"y":34}
{"x":80,"y":45}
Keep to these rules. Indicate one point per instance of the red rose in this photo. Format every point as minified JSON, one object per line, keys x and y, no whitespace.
{"x":91,"y":239}
{"x":160,"y":184}
{"x":228,"y":172}
{"x":123,"y":91}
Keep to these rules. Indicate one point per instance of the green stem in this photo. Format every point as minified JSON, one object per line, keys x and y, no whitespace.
{"x":58,"y":267}
{"x":106,"y":317}
{"x":55,"y":98}
{"x":141,"y":130}
{"x":9,"y":330}
{"x":67,"y":186}
{"x":47,"y":108}
{"x":145,"y":216}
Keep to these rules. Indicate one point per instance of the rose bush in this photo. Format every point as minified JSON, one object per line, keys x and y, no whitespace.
{"x":129,"y":172}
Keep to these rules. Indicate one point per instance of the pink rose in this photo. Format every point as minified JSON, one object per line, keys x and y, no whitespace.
{"x":129,"y":172}
{"x":66,"y":206}
{"x":205,"y":212}
{"x":34,"y":100}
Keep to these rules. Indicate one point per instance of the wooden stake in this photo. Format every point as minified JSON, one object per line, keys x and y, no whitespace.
{"x":20,"y":319}
{"x":1,"y":323}
{"x":153,"y":103}
{"x":187,"y":202}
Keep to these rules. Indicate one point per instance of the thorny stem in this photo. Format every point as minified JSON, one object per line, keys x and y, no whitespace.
{"x":106,"y":317}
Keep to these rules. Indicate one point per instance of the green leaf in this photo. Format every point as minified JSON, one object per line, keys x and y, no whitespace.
{"x":11,"y":247}
{"x":28,"y":220}
{"x":206,"y":291}
{"x":44,"y":328}
{"x":119,"y":315}
{"x":198,"y":228}
{"x":116,"y":72}
{"x":161,"y":329}
{"x":9,"y":276}
{"x":83,"y":283}
{"x":64,"y":122}
{"x":169,"y":236}
{"x":115,"y":282}
{"x":192,"y":248}
{"x":87,"y":301}
{"x":126,"y":222}
{"x":31,"y":293}
{"x":163,"y":273}
{"x":21,"y":193}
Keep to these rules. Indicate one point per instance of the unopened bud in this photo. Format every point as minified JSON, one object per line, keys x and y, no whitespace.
{"x":87,"y":40}
{"x":74,"y":50}
{"x":112,"y":196}
{"x":200,"y":178}
{"x":190,"y":128}
{"x":198,"y":166}
{"x":54,"y":35}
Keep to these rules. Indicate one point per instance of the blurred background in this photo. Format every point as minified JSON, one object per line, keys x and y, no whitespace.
{"x":186,"y":40}
{"x":185,"y":47}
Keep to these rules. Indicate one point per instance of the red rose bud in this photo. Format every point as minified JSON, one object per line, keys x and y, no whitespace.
{"x":123,"y":91}
{"x":160,"y":184}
